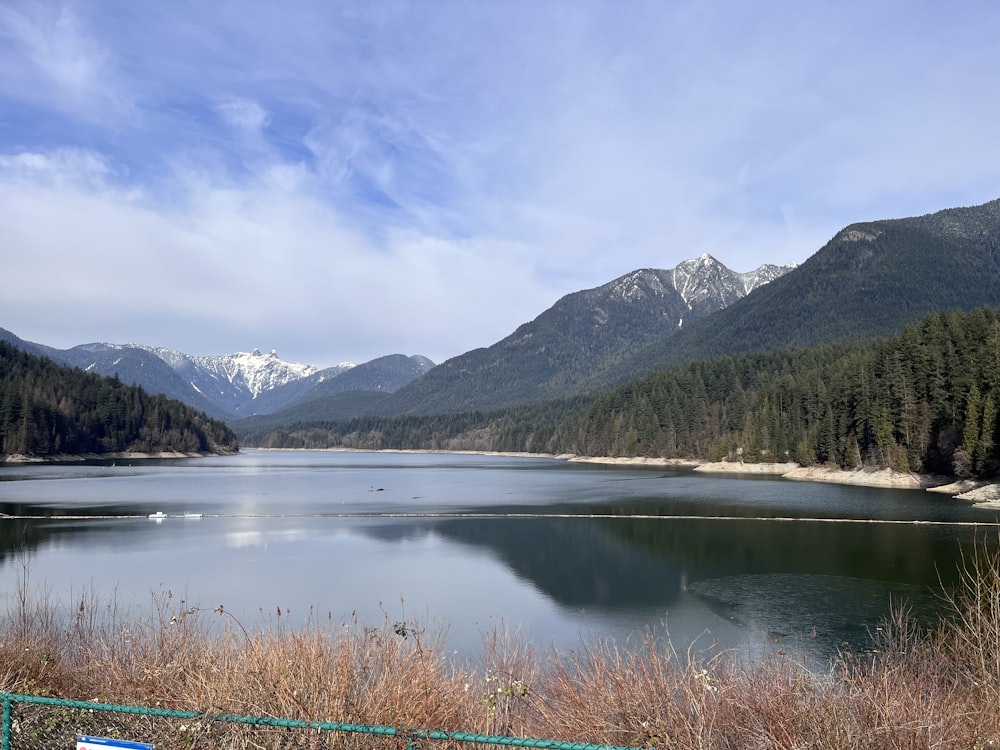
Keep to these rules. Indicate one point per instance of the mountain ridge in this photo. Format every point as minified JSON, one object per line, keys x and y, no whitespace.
{"x":227,"y":386}
{"x":871,"y":279}
{"x":551,"y":356}
{"x":584,"y":333}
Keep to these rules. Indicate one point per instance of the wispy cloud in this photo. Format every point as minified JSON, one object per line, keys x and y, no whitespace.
{"x":341,"y":180}
{"x":53,"y":60}
{"x":243,"y":114}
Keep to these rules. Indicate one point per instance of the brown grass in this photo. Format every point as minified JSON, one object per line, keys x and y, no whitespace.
{"x":916,"y":690}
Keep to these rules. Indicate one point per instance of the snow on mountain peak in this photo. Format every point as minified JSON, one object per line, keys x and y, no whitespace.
{"x":254,"y":370}
{"x":700,"y":278}
{"x":635,"y":285}
{"x":702,"y":282}
{"x":765,"y":274}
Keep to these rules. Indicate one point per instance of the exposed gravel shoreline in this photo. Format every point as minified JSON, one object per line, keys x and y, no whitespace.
{"x":982,"y":494}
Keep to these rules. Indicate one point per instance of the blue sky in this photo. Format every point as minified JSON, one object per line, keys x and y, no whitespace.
{"x":339,"y":181}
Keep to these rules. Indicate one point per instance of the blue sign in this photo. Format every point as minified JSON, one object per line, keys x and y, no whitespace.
{"x":83,"y":742}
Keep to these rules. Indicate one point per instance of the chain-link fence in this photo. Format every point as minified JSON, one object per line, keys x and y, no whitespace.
{"x":39,"y":723}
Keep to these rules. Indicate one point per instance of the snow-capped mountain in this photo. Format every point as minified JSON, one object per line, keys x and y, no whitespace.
{"x":705,"y":282}
{"x":258,"y":372}
{"x":234,"y":381}
{"x":230,"y":385}
{"x":765,"y":275}
{"x":244,"y":373}
{"x":577,"y":345}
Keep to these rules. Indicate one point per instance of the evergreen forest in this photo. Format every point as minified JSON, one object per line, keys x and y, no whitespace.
{"x":50,"y":410}
{"x":926,"y":400}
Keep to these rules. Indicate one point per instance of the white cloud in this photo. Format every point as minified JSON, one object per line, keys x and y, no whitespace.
{"x":243,"y":114}
{"x":341,"y":183}
{"x":52,"y":58}
{"x":68,"y":168}
{"x":249,"y":262}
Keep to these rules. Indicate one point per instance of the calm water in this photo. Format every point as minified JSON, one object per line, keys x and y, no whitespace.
{"x":560,"y":551}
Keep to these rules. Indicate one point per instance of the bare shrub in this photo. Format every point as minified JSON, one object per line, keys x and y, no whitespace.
{"x":642,"y":695}
{"x":971,"y":636}
{"x":914,"y":689}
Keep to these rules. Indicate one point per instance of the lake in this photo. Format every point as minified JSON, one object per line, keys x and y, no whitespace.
{"x":563,"y":552}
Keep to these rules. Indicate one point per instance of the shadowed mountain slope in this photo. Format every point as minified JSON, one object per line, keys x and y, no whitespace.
{"x":584,"y":337}
{"x":870,"y":280}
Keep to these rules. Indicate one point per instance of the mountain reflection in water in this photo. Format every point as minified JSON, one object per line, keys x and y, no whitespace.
{"x":707,"y":556}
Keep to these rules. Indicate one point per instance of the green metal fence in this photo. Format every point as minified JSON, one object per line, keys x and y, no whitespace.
{"x":38,"y":723}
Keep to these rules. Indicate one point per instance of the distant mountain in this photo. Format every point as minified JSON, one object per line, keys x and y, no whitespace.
{"x":385,"y":374}
{"x":585,"y":336}
{"x":29,"y":347}
{"x":363,"y":384}
{"x":223,"y":385}
{"x":870,"y":280}
{"x":235,"y":381}
{"x":132,"y":365}
{"x":232,"y":385}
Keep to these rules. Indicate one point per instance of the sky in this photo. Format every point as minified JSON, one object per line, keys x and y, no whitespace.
{"x":339,"y":181}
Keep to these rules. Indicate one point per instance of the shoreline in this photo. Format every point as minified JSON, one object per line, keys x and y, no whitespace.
{"x":981,"y":494}
{"x":19,"y":459}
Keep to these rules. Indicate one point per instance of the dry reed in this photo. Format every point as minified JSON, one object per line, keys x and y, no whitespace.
{"x":913,"y":690}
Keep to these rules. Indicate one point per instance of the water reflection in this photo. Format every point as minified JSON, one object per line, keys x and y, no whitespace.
{"x":819,"y":583}
{"x":324,"y":540}
{"x":577,"y":562}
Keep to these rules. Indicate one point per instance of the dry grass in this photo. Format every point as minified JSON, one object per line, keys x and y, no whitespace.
{"x":916,"y":690}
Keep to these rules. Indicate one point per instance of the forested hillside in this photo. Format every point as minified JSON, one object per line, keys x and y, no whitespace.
{"x":47,"y":409}
{"x":926,"y":400}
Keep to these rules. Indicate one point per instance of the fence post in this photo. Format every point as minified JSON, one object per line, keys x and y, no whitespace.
{"x":5,"y":727}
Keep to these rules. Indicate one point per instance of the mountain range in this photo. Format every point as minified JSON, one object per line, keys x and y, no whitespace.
{"x":583,"y":334}
{"x":233,"y":385}
{"x":870,"y":280}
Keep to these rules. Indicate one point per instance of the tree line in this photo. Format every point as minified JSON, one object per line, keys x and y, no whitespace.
{"x":926,"y":400}
{"x":47,"y":409}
